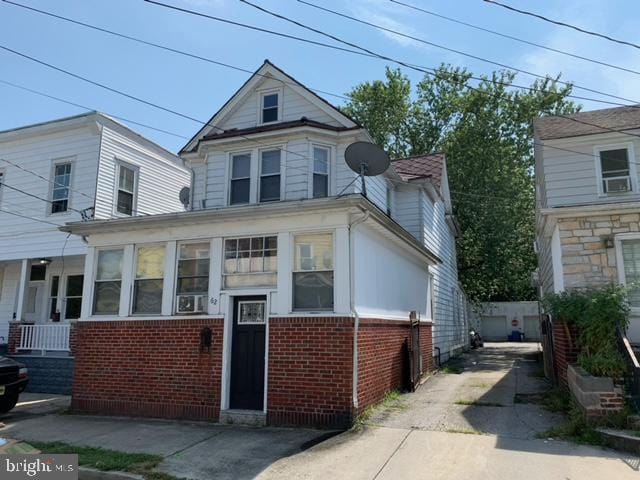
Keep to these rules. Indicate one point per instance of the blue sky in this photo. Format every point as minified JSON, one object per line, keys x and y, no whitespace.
{"x":198,"y":89}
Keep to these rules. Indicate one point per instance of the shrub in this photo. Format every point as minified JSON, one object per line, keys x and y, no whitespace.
{"x":597,"y":313}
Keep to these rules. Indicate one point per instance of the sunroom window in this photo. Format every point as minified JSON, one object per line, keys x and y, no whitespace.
{"x":250,"y":262}
{"x":193,"y":277}
{"x":313,"y":272}
{"x":148,"y":282}
{"x":614,"y":165}
{"x":631,"y":260}
{"x":106,"y":296}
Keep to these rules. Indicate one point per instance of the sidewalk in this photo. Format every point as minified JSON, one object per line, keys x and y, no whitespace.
{"x":191,"y":450}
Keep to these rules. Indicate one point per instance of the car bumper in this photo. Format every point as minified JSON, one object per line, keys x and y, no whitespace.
{"x":16,"y":387}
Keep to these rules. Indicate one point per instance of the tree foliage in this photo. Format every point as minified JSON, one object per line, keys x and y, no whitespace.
{"x":485,"y":129}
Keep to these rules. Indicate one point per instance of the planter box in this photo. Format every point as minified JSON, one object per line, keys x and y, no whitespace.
{"x":597,"y":396}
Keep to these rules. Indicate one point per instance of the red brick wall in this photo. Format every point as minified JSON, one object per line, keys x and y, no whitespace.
{"x":148,"y":368}
{"x":310,"y":371}
{"x":13,"y":342}
{"x":565,"y":349}
{"x":383,"y":358}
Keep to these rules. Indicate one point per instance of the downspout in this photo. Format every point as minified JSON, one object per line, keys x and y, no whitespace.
{"x":352,"y":304}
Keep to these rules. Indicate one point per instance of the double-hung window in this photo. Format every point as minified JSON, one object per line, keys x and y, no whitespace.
{"x":269,"y":110}
{"x":615,"y":170}
{"x":193,"y":277}
{"x":240,"y":187}
{"x":126,"y":192}
{"x":250,"y":262}
{"x":631,"y":269}
{"x":320,"y":172}
{"x":149,"y":280}
{"x":106,"y":296}
{"x":313,"y":272}
{"x":270,"y":175}
{"x":61,"y":184}
{"x":53,"y":299}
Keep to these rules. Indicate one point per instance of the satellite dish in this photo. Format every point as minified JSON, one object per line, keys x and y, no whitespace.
{"x":185,"y":196}
{"x":367,"y":160}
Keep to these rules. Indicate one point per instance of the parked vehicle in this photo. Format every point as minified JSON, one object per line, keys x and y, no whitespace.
{"x":475,"y":340}
{"x":13,"y":381}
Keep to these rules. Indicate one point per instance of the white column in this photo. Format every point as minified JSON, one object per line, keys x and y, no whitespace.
{"x":128,"y":271}
{"x":285,"y":259}
{"x":87,"y":285}
{"x":169,"y":282}
{"x":341,"y":266}
{"x":215,"y":276}
{"x":22,"y":286}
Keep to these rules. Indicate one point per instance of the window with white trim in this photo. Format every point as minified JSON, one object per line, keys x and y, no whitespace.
{"x":269,"y":110}
{"x":54,"y":308}
{"x":60,"y":191}
{"x":1,"y":182}
{"x":270,"y":175}
{"x":108,"y":282}
{"x":321,"y":156}
{"x":615,"y":171}
{"x":240,"y":185}
{"x":149,"y":280}
{"x":126,"y":191}
{"x":313,"y":272}
{"x":631,"y":265}
{"x":192,"y":276}
{"x":250,"y":262}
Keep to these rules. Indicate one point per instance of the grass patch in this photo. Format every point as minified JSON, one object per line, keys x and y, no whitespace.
{"x":451,"y":367}
{"x":557,"y":400}
{"x":392,"y":401}
{"x":478,"y":403}
{"x":109,"y":460}
{"x":466,"y":431}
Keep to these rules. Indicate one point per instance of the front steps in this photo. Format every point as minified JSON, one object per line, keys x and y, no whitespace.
{"x":254,"y":418}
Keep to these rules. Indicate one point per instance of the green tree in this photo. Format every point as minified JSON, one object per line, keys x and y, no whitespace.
{"x":485,"y":129}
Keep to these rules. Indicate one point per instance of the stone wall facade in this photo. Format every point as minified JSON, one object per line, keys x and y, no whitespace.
{"x":586,"y":259}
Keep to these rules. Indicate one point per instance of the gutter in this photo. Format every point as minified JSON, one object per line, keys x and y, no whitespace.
{"x":352,"y":301}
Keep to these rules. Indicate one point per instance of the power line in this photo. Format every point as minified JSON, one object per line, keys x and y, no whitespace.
{"x":162,"y":47}
{"x":28,"y":217}
{"x":459,"y":52}
{"x":24,"y":192}
{"x":419,"y":69}
{"x":364,"y":53}
{"x":514,"y":38}
{"x":567,"y":25}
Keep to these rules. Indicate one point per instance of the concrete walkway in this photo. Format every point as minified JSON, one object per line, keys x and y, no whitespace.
{"x":419,"y":439}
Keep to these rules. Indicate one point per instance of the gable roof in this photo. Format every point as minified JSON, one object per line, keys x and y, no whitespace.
{"x":619,"y":118}
{"x":421,"y":166}
{"x":270,"y":71}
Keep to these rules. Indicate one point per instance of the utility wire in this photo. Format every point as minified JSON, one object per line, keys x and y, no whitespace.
{"x":364,"y":53}
{"x":402,"y":63}
{"x":514,"y":38}
{"x":460,"y":52}
{"x":567,"y":25}
{"x":24,"y":192}
{"x":163,"y":47}
{"x":2,"y":210}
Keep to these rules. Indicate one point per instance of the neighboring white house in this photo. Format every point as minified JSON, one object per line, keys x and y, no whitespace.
{"x":66,"y":170}
{"x":588,"y":202}
{"x":304,"y":287}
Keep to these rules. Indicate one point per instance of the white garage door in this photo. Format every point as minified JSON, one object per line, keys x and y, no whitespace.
{"x":494,"y":328}
{"x":531,"y":328}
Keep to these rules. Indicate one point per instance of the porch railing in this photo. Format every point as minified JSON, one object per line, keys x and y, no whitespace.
{"x":45,"y":337}
{"x":632,"y":377}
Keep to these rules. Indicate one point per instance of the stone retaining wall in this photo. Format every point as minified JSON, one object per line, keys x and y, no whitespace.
{"x":597,"y":396}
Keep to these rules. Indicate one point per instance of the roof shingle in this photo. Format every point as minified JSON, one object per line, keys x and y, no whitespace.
{"x":619,"y":118}
{"x":421,"y":166}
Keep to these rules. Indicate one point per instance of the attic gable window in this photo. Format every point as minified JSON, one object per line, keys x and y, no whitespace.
{"x":269,"y":107}
{"x":614,"y":166}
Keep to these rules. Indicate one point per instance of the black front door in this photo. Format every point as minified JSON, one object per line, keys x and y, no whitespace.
{"x":247,"y":353}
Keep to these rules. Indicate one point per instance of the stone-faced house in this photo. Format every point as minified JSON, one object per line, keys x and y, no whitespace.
{"x":588,"y":202}
{"x":283,"y":296}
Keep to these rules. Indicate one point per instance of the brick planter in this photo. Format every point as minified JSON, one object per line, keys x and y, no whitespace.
{"x":597,"y":396}
{"x":565,"y":348}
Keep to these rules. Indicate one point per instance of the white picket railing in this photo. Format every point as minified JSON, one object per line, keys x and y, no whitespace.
{"x":45,"y":337}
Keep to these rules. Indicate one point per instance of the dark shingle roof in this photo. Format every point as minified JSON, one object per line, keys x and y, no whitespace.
{"x":421,"y":166}
{"x":619,"y":118}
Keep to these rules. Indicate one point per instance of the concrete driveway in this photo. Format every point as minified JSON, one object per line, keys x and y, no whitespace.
{"x":461,"y":426}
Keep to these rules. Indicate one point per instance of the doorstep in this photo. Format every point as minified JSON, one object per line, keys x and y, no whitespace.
{"x":255,"y":418}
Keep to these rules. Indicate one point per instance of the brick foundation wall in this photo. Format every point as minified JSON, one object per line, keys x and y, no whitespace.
{"x":383,"y":363}
{"x":565,"y":348}
{"x":13,"y":341}
{"x":151,"y":368}
{"x":310,"y":371}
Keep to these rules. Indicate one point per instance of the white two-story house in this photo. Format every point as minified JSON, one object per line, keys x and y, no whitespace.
{"x":588,"y":202}
{"x":283,"y":296}
{"x":79,"y":168}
